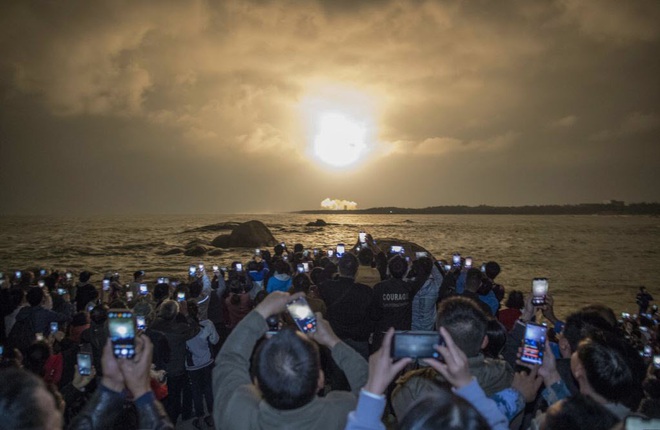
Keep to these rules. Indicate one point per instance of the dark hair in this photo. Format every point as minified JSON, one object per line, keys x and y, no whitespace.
{"x":80,"y":319}
{"x":84,"y":276}
{"x":18,"y":405}
{"x":138,"y":274}
{"x":282,"y":267}
{"x":515,"y":300}
{"x":473,"y":280}
{"x":279,"y":249}
{"x":35,"y":296}
{"x":168,"y":310}
{"x":492,"y":270}
{"x":161,"y":291}
{"x":605,"y":312}
{"x":298,"y":247}
{"x":193,"y":309}
{"x":398,"y":267}
{"x":99,"y":314}
{"x":441,"y":409}
{"x":582,"y":324}
{"x":613,"y":368}
{"x":579,"y":412}
{"x":316,"y":275}
{"x":301,"y":283}
{"x":348,"y":265}
{"x":287,"y":370}
{"x":195,"y":288}
{"x":465,"y":321}
{"x":365,"y":256}
{"x":36,"y":356}
{"x":496,"y":338}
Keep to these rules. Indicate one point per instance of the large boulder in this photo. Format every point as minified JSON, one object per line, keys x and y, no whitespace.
{"x":215,"y":227}
{"x":251,"y":234}
{"x":318,"y":223}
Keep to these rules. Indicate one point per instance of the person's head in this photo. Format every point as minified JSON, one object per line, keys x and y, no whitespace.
{"x":288,"y":370}
{"x":282,"y":267}
{"x":99,"y":314}
{"x":26,"y":403}
{"x":36,"y":356}
{"x":579,"y":325}
{"x":642,"y":289}
{"x":516,"y":300}
{"x":137,"y":276}
{"x":168,"y":310}
{"x":195,"y":288}
{"x":348,"y":265}
{"x":397,"y":266}
{"x":35,"y":296}
{"x":496,"y":333}
{"x":161,"y":291}
{"x":605,"y":364}
{"x":315,"y":275}
{"x":441,"y":409}
{"x":84,"y":276}
{"x":279,"y":249}
{"x":466,"y":323}
{"x":301,"y":283}
{"x":298,"y":247}
{"x":578,"y":412}
{"x":605,"y":312}
{"x":365,"y":256}
{"x":492,"y":270}
{"x":473,"y":280}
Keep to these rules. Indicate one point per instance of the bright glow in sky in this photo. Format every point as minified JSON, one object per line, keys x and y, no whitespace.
{"x":340,"y":141}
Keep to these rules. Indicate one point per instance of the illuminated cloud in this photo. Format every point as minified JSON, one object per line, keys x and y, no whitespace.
{"x":337,"y":204}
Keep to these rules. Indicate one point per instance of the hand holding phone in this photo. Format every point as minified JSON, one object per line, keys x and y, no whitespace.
{"x":533,"y":344}
{"x":539,"y":291}
{"x":84,"y":364}
{"x":415,"y":344}
{"x":302,"y":314}
{"x":121,"y":327}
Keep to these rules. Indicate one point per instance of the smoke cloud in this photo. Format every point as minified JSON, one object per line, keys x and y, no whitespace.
{"x":338,"y":205}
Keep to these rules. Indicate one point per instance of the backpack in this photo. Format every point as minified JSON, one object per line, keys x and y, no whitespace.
{"x":22,"y":334}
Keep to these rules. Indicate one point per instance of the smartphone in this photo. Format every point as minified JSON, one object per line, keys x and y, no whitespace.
{"x":306,"y":253}
{"x":640,"y":423}
{"x":330,"y":253}
{"x":215,"y":268}
{"x":396,"y":249}
{"x":2,"y":350}
{"x":84,"y":363}
{"x":283,"y":245}
{"x":539,"y":291}
{"x":416,"y":344}
{"x":42,"y":272}
{"x":625,"y":315}
{"x":340,"y":249}
{"x":483,"y":268}
{"x":656,"y":361}
{"x":302,"y":314}
{"x":201,"y":267}
{"x":144,"y":290}
{"x":61,"y":291}
{"x":648,"y":351}
{"x":456,"y":259}
{"x":181,"y":296}
{"x":305,"y":266}
{"x":41,"y":283}
{"x":39,"y":337}
{"x":69,"y":276}
{"x":54,"y":327}
{"x":447,"y":267}
{"x":257,"y":252}
{"x":468,"y":262}
{"x":18,"y":274}
{"x":121,"y":327}
{"x":239,"y":267}
{"x":301,"y":268}
{"x":141,"y":322}
{"x":129,"y":295}
{"x":106,"y":285}
{"x":315,"y":251}
{"x":192,"y":270}
{"x":533,"y":344}
{"x":421,"y":254}
{"x":363,"y":237}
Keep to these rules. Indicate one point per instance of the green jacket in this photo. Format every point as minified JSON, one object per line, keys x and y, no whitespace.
{"x":238,"y":403}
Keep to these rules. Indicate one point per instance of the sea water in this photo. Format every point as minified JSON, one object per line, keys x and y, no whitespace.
{"x":587,"y":259}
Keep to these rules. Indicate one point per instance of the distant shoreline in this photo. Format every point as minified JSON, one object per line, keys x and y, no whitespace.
{"x":615,"y":208}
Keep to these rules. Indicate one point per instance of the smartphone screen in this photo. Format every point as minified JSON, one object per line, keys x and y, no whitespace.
{"x":330,"y":253}
{"x":468,"y":262}
{"x":447,"y":267}
{"x":239,"y":267}
{"x":54,"y":327}
{"x":456,"y":259}
{"x":122,"y":332}
{"x":141,"y":322}
{"x":363,"y":237}
{"x":143,"y":289}
{"x":302,"y":314}
{"x":192,"y":270}
{"x":533,"y":344}
{"x":61,"y":291}
{"x":340,"y":249}
{"x":396,"y":249}
{"x":41,"y":283}
{"x":257,"y":251}
{"x":84,"y":364}
{"x":301,"y":268}
{"x":306,"y":266}
{"x":39,"y":337}
{"x":539,"y":291}
{"x":181,"y":296}
{"x":215,"y":268}
{"x":416,"y":344}
{"x":106,"y":284}
{"x":69,"y":276}
{"x":129,"y":295}
{"x":421,"y":254}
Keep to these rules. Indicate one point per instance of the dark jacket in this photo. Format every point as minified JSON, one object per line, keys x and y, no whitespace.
{"x":41,"y":318}
{"x":176,"y":332}
{"x":85,"y":294}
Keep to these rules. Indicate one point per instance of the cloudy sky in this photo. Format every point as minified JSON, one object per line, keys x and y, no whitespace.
{"x":218,"y":106}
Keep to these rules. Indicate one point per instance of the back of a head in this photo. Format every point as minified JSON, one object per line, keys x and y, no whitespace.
{"x":35,"y":296}
{"x":298,"y":247}
{"x":440,"y":409}
{"x":424,"y":266}
{"x":168,"y":310}
{"x":301,"y":283}
{"x":348,"y":265}
{"x":397,"y":266}
{"x":582,"y":324}
{"x":20,"y":404}
{"x":137,"y":275}
{"x":579,"y":412}
{"x":515,"y":300}
{"x":84,"y":276}
{"x":365,"y":256}
{"x":613,"y":368}
{"x":282,"y":267}
{"x":287,"y":370}
{"x":496,"y":338}
{"x":605,"y":312}
{"x":465,"y":321}
{"x":99,"y":314}
{"x":473,"y":280}
{"x":492,"y":269}
{"x":195,"y":288}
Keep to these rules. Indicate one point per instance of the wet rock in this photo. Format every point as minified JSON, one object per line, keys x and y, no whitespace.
{"x":317,"y":223}
{"x":173,"y":251}
{"x":217,"y":251}
{"x":197,"y":242}
{"x":196,"y":251}
{"x":215,"y":227}
{"x":251,"y":234}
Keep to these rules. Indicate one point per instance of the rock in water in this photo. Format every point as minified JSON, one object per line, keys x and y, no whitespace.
{"x":196,"y":251}
{"x":251,"y":234}
{"x":317,"y":223}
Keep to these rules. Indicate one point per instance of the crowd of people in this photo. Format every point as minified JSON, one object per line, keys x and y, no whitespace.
{"x":220,"y":349}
